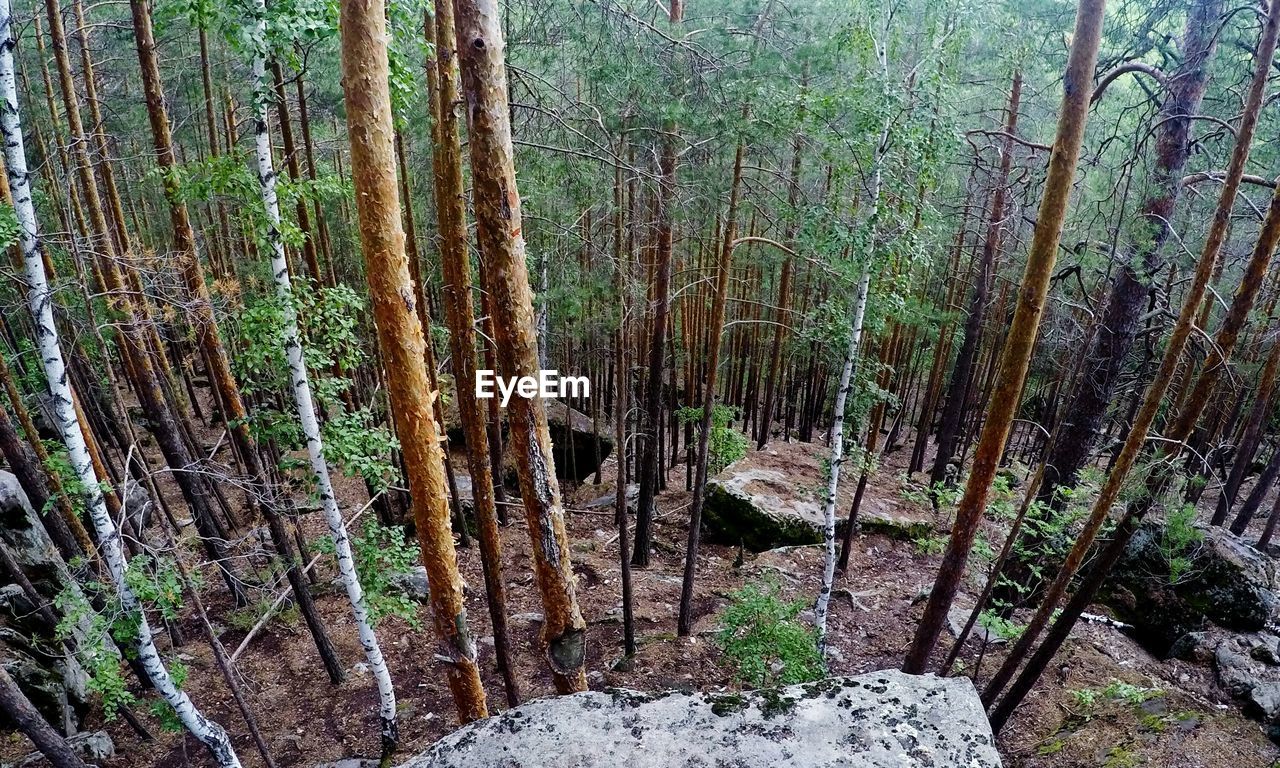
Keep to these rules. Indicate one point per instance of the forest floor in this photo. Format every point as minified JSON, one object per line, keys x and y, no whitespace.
{"x":307,"y":722}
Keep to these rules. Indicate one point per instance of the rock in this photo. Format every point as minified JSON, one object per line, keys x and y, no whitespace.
{"x":774,"y":498}
{"x":573,"y":444}
{"x":895,"y":526}
{"x":879,"y":720}
{"x":93,"y":746}
{"x":414,"y":584}
{"x":1264,"y":702}
{"x":350,"y":762}
{"x":1228,"y":583}
{"x":769,"y":498}
{"x":54,"y":682}
{"x":958,"y":616}
{"x":1194,"y":646}
{"x":1233,"y":670}
{"x":610,"y":499}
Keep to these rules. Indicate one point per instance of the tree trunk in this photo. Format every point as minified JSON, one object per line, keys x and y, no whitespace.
{"x":1016,"y":356}
{"x":957,"y":394}
{"x":498,"y":229}
{"x":301,"y":386}
{"x":455,"y":262}
{"x":685,"y":621}
{"x":40,"y":302}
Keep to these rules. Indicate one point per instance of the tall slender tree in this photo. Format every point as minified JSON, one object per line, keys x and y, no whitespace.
{"x":1016,"y":356}
{"x":498,"y":230}
{"x":365,"y":71}
{"x":300,"y":384}
{"x":40,"y":302}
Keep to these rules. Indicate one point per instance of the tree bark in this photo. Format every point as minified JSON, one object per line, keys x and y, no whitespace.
{"x":498,"y":229}
{"x":455,"y":262}
{"x":1016,"y":356}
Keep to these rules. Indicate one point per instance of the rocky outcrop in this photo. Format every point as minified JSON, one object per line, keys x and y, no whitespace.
{"x":774,"y":498}
{"x":56,"y":684}
{"x":1225,"y":583}
{"x":879,"y":720}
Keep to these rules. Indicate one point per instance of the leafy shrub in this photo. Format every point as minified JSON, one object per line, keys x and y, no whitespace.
{"x":726,"y":445}
{"x":762,"y":637}
{"x":384,"y":557}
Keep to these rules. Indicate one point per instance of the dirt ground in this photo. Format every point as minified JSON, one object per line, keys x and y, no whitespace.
{"x":307,"y":722}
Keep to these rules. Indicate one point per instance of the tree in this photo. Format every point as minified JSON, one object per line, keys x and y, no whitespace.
{"x":400,"y":337}
{"x":303,"y":403}
{"x":498,"y":230}
{"x":1016,"y":356}
{"x":215,"y":353}
{"x":455,"y":262}
{"x":39,"y":301}
{"x":1134,"y":443}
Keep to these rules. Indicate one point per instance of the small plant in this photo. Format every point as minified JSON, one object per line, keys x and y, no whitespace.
{"x":1130,"y":694}
{"x":930,"y":544}
{"x":1085,"y":698}
{"x":1000,"y":627}
{"x":1178,"y":541}
{"x":725,"y":445}
{"x":762,"y":637}
{"x":383,"y":559}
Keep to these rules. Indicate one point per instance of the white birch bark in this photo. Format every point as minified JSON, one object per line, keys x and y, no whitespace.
{"x":302,"y":396}
{"x":39,"y":300}
{"x":842,"y":395}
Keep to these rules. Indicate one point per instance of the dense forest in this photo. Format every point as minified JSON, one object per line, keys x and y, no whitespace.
{"x":622,"y":383}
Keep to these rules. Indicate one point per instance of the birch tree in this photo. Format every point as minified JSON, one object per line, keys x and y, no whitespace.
{"x":40,"y":302}
{"x":301,"y":388}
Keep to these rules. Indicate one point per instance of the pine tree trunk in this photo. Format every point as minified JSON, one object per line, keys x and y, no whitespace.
{"x":455,"y":262}
{"x":1016,"y":356}
{"x":957,"y":394}
{"x":684,"y":623}
{"x":498,"y":228}
{"x":1138,"y":431}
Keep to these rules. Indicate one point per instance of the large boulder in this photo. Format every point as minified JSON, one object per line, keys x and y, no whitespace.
{"x":1226,"y":583}
{"x":573,"y":444}
{"x":879,"y":720}
{"x":54,"y":682}
{"x":774,"y":498}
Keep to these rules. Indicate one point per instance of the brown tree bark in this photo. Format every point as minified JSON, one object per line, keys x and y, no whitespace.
{"x":1016,"y":357}
{"x":498,"y":228}
{"x":401,"y":336}
{"x":1141,"y":426}
{"x":455,"y":263}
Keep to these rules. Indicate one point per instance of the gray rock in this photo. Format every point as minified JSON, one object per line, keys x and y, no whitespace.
{"x":54,"y":682}
{"x":1234,"y":670}
{"x":1228,"y":584}
{"x":93,"y":746}
{"x":879,"y":720}
{"x":769,"y":498}
{"x":1194,"y":646}
{"x":1264,"y":701}
{"x":414,"y":584}
{"x":610,"y":499}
